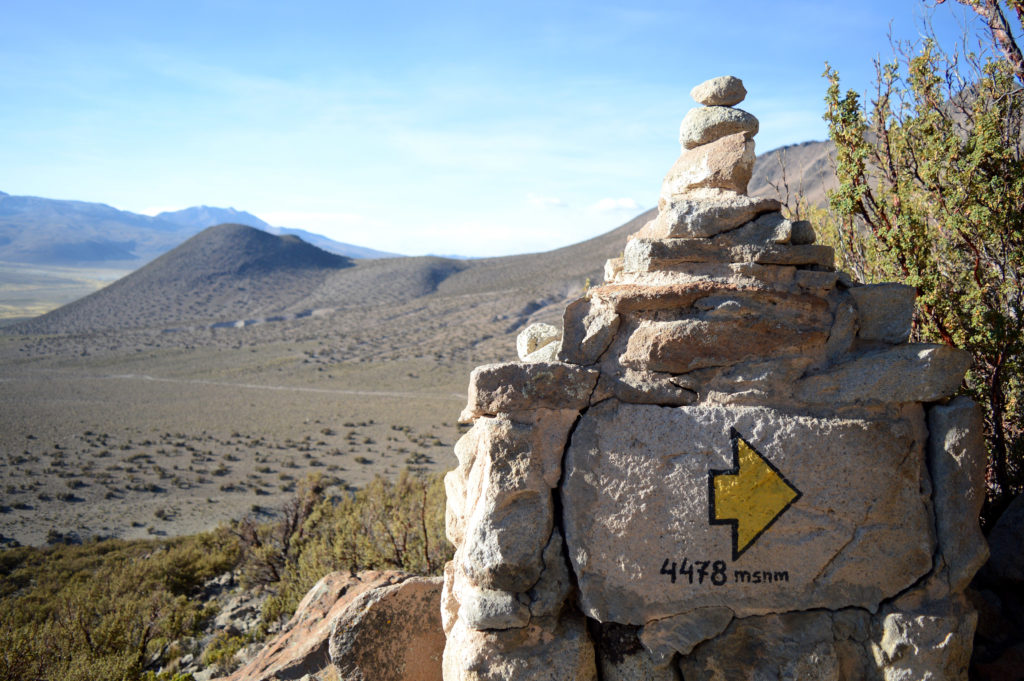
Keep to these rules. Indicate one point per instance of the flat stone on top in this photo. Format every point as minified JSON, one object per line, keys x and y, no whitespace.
{"x":725,"y":163}
{"x":514,"y":386}
{"x":646,"y":255}
{"x":915,"y":372}
{"x":705,"y":212}
{"x":721,"y":91}
{"x":732,"y":329}
{"x":709,"y":123}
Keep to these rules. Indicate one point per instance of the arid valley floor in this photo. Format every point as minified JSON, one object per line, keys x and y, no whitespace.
{"x":175,"y":443}
{"x":204,"y":386}
{"x":184,"y":419}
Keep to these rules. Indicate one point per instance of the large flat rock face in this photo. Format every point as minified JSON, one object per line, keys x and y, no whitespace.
{"x":669,"y":509}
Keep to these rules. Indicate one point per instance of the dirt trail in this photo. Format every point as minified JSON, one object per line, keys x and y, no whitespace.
{"x":255,"y":386}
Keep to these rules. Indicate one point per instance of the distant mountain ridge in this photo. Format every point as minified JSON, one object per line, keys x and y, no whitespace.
{"x":533,"y":285}
{"x":60,"y":232}
{"x":42,"y":231}
{"x":453,"y":310}
{"x":57,"y":232}
{"x":201,"y":217}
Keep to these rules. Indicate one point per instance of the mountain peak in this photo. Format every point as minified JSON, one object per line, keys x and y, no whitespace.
{"x":228,"y":271}
{"x":201,"y":217}
{"x":236,"y":248}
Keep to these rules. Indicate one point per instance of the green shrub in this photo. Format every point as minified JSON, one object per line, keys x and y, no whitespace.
{"x":931,"y":193}
{"x":113,"y":609}
{"x":106,"y":609}
{"x":166,"y":676}
{"x":386,"y":525}
{"x":220,"y":653}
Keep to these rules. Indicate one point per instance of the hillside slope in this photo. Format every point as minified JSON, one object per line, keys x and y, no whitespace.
{"x":805,"y":170}
{"x":224,"y":273}
{"x":369,"y":310}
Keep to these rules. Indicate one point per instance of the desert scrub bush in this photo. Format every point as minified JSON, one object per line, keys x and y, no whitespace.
{"x":931,"y":193}
{"x":386,"y":525}
{"x":267,"y":547}
{"x":104,"y":609}
{"x":220,"y":653}
{"x":166,"y":676}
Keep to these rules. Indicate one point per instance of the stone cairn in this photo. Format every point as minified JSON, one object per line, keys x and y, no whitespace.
{"x":729,"y":463}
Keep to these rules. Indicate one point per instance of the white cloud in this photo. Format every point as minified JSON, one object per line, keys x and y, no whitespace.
{"x":545,"y":201}
{"x":614,"y":205}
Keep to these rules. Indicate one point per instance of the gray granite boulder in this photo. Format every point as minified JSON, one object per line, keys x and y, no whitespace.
{"x":648,"y":527}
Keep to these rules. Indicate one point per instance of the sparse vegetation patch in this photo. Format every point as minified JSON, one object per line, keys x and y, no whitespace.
{"x":133,"y":610}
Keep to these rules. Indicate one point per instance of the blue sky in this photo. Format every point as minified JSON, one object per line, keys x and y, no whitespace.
{"x":475,"y":128}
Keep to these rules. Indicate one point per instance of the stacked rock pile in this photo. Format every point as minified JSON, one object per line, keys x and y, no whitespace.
{"x":731,"y":464}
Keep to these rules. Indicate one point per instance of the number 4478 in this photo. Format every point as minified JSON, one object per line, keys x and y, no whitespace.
{"x":696,"y":571}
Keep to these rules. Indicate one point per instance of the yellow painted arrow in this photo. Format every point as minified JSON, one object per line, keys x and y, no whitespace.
{"x":750,"y":496}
